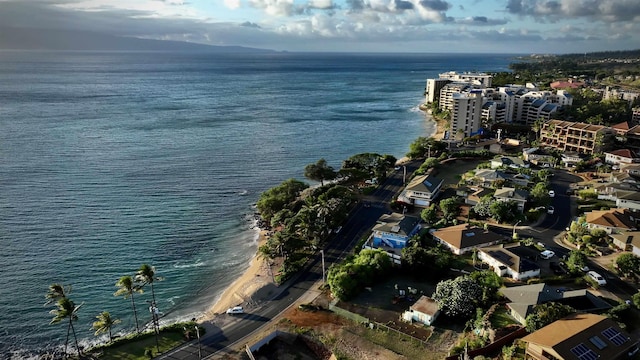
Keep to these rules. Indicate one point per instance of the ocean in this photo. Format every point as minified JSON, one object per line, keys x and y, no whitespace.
{"x":110,"y":160}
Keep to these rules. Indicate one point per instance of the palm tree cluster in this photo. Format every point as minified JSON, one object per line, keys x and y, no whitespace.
{"x":66,"y":309}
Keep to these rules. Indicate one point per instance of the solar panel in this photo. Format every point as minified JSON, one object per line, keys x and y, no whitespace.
{"x":584,"y":353}
{"x":614,"y":336}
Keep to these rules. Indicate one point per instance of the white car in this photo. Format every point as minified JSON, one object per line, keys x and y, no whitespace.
{"x":552,"y":193}
{"x":235,"y":310}
{"x":547,"y":254}
{"x":550,"y":210}
{"x":597,"y":277}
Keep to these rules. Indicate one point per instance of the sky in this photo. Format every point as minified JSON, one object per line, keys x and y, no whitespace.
{"x":425,"y":26}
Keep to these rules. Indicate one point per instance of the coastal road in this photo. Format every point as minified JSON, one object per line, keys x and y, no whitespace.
{"x":360,"y":220}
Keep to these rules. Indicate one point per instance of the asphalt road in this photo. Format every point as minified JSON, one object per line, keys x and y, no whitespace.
{"x":554,"y":225}
{"x":360,"y":220}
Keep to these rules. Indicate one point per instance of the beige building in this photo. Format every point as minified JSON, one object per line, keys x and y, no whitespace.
{"x":575,"y":137}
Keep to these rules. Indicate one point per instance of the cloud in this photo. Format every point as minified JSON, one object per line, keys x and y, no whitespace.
{"x":232,"y":4}
{"x":436,"y":5}
{"x":553,"y":11}
{"x":481,"y":21}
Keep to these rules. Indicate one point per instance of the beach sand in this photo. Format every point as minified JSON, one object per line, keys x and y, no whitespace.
{"x":250,"y":290}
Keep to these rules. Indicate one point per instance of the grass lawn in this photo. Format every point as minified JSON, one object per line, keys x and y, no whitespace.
{"x":135,"y":349}
{"x":450,"y":172}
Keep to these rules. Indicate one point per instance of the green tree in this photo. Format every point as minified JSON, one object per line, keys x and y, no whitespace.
{"x":504,"y":211}
{"x":279,"y":197}
{"x":490,"y":282}
{"x":458,"y":297}
{"x":628,"y":264}
{"x":430,"y":214}
{"x":636,"y":300}
{"x":126,"y":288}
{"x":450,"y":208}
{"x":104,"y":324}
{"x":540,"y":194}
{"x":546,"y":313}
{"x":483,"y":207}
{"x":347,"y":279}
{"x":66,"y":309}
{"x":320,"y":171}
{"x":576,"y":261}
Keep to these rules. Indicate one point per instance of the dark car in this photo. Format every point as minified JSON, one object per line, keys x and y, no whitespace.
{"x":556,"y":268}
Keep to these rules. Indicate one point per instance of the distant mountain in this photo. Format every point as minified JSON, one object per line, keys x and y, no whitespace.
{"x":48,"y":39}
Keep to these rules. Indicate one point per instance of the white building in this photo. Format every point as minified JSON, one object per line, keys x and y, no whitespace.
{"x":466,"y":114}
{"x":482,"y":80}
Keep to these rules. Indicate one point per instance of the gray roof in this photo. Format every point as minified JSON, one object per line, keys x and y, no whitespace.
{"x":397,"y":224}
{"x":512,"y":193}
{"x":424,"y":183}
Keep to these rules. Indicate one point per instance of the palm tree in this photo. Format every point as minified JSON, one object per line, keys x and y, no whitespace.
{"x":104,"y":324}
{"x":57,"y":292}
{"x":147,"y":275}
{"x":126,"y":288}
{"x":66,"y":309}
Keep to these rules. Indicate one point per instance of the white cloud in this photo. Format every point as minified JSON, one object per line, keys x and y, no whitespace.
{"x":232,"y":4}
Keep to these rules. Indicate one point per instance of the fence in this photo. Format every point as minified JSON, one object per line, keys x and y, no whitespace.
{"x":371,"y":324}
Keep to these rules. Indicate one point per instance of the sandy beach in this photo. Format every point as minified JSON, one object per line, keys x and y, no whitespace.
{"x":256,"y":285}
{"x":250,"y":290}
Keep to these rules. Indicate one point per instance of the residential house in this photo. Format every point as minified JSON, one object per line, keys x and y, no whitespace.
{"x":464,"y":238}
{"x":620,"y":156}
{"x":624,"y":239}
{"x":629,"y":200}
{"x":538,"y":157}
{"x":509,"y":161}
{"x":632,"y":169}
{"x":394,"y":230}
{"x":583,"y":337}
{"x":425,"y":311}
{"x":612,"y":221}
{"x":487,"y":177}
{"x":506,"y":261}
{"x":520,"y":197}
{"x":476,"y":194}
{"x":523,"y":299}
{"x":421,"y":190}
{"x":570,"y":158}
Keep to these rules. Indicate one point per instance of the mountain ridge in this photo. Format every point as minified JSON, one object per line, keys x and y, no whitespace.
{"x":13,"y":38}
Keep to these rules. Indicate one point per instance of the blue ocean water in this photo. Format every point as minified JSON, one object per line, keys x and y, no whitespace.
{"x":111,"y":160}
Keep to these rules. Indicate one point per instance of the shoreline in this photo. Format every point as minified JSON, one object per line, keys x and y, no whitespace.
{"x":251,"y":289}
{"x":256,"y":285}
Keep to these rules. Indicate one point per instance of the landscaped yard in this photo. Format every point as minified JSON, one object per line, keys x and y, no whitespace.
{"x":451,"y":171}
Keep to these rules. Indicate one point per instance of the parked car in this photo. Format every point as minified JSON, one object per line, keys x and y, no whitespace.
{"x":547,"y":254}
{"x":597,"y":277}
{"x":235,"y":310}
{"x":550,"y":210}
{"x":556,"y":268}
{"x":552,"y":193}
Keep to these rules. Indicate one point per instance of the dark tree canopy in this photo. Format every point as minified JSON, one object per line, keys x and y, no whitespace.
{"x":279,"y":197}
{"x":458,"y":297}
{"x":545,"y":314}
{"x":320,"y":171}
{"x":356,"y":272}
